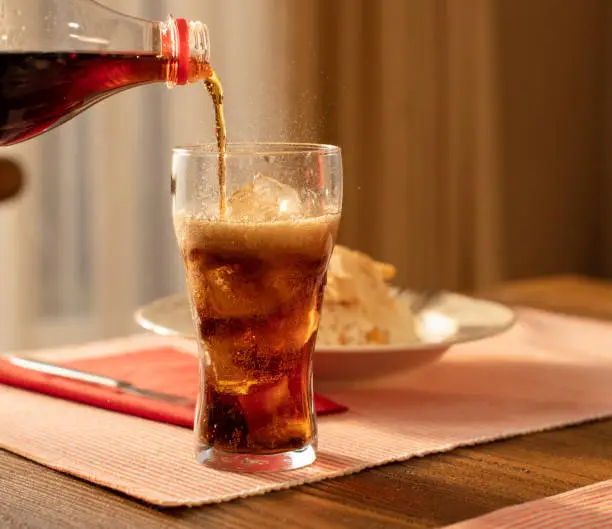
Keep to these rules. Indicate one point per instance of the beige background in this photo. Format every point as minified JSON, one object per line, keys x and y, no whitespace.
{"x":474,"y":132}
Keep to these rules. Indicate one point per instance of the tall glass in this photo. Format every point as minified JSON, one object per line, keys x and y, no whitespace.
{"x":256,"y":268}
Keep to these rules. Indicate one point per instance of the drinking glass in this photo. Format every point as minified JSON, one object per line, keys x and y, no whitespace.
{"x":256,"y":261}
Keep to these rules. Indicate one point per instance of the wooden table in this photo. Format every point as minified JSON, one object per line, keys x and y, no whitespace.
{"x":428,"y":492}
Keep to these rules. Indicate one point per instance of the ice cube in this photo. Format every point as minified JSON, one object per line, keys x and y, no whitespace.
{"x":238,"y":366}
{"x":275,"y":417}
{"x":265,"y":199}
{"x":233,"y":293}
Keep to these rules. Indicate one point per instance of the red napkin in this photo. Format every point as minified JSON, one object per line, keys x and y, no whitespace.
{"x":161,"y":369}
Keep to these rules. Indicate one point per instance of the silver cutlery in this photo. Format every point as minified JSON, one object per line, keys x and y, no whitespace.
{"x":98,"y":380}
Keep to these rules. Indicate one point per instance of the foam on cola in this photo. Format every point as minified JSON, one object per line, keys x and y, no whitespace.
{"x":256,"y":289}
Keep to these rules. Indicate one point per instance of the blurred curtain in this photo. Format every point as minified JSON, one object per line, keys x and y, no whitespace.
{"x":607,"y":147}
{"x":421,"y":185}
{"x":470,"y":129}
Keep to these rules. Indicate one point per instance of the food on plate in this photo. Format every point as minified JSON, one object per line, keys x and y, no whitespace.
{"x":360,"y":307}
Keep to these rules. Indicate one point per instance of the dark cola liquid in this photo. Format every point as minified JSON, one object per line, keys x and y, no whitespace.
{"x":39,"y":90}
{"x":257,"y":309}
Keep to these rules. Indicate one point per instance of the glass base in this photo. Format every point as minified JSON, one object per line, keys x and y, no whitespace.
{"x":215,"y":458}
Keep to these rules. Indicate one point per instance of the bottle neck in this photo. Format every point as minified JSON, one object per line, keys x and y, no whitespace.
{"x":87,"y":26}
{"x":187,"y":45}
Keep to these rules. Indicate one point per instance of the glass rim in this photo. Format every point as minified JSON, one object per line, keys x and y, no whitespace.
{"x":256,"y":148}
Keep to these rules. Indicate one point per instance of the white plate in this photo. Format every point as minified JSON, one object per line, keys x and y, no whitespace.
{"x":452,"y":319}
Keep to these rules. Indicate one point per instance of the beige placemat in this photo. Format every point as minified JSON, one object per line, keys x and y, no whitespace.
{"x":586,"y":507}
{"x":547,"y":372}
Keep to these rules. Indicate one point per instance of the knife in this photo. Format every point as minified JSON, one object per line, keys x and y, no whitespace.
{"x":98,"y":380}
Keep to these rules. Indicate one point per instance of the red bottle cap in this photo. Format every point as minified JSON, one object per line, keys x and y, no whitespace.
{"x":184,"y":53}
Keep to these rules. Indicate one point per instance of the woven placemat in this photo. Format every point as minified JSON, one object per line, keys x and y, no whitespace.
{"x":547,"y":372}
